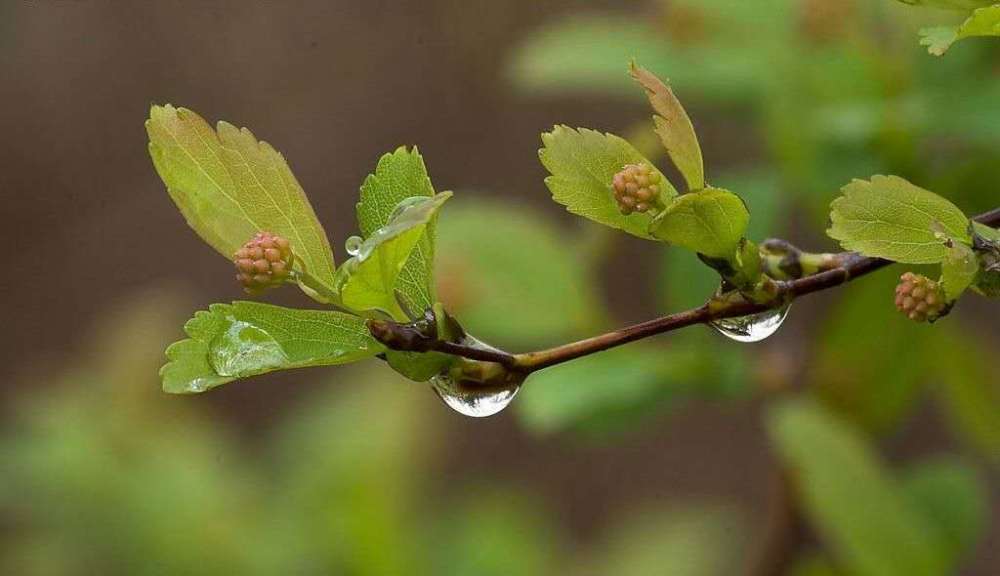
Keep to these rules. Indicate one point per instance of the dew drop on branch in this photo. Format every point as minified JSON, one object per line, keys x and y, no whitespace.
{"x":754,"y":327}
{"x":477,"y":397}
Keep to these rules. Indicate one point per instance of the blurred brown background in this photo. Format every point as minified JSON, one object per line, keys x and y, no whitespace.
{"x":333,"y":85}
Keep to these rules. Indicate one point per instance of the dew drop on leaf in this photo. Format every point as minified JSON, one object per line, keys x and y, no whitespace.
{"x":353,"y":245}
{"x":475,"y":397}
{"x":243,"y":350}
{"x":404,"y":204}
{"x":754,"y":327}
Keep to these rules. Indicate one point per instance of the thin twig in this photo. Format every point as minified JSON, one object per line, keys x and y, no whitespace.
{"x":852,"y":265}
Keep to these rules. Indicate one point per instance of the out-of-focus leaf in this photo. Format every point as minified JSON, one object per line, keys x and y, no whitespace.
{"x":674,"y":128}
{"x":230,"y":341}
{"x":958,"y":270}
{"x":703,"y":47}
{"x":352,"y":468}
{"x":710,"y":222}
{"x":952,"y":498}
{"x":850,"y":372}
{"x":696,"y":540}
{"x":510,"y":275}
{"x":229,"y":186}
{"x":851,"y":499}
{"x":582,"y":164}
{"x":399,"y":176}
{"x":369,"y":280}
{"x":813,"y":565}
{"x":103,"y":471}
{"x":968,"y":389}
{"x":983,"y":22}
{"x":616,"y":389}
{"x":890,"y":218}
{"x":493,"y":532}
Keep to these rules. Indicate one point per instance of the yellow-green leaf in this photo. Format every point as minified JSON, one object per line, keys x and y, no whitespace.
{"x":228,"y":185}
{"x":673,"y":127}
{"x":582,"y":164}
{"x":888,"y":217}
{"x":399,"y":176}
{"x":370,"y":280}
{"x":711,"y":222}
{"x":982,"y":22}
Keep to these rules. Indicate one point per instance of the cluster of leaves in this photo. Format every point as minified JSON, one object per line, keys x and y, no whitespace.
{"x":230,"y":186}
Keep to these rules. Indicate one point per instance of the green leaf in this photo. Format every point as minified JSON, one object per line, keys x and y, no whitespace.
{"x":847,"y":386}
{"x":851,"y":499}
{"x":951,"y":496}
{"x":710,"y":222}
{"x":693,"y":539}
{"x":505,"y":271}
{"x":582,"y":164}
{"x":674,"y":128}
{"x":229,"y":186}
{"x":230,"y":341}
{"x":968,"y":390}
{"x":891,"y":218}
{"x":982,"y":22}
{"x":958,"y":270}
{"x":368,"y":281}
{"x":398,"y":176}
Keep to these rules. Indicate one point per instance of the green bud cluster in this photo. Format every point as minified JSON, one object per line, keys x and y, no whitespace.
{"x":265,"y":261}
{"x":920,"y":298}
{"x":637,"y":188}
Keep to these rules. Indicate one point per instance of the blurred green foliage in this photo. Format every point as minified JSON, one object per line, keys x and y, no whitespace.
{"x":104,"y":474}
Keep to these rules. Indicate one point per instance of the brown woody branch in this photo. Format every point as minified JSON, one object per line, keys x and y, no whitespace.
{"x":843,"y":267}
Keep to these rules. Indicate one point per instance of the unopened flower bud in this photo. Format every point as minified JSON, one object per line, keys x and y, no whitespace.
{"x":265,"y":261}
{"x":636,"y":188}
{"x":920,"y":298}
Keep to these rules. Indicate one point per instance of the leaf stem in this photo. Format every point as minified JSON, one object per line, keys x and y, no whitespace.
{"x":831,"y":270}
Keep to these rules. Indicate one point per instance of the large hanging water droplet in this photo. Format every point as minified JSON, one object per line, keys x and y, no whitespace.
{"x":243,"y":350}
{"x":473,"y":398}
{"x":353,"y":245}
{"x":754,"y":327}
{"x":480,"y":389}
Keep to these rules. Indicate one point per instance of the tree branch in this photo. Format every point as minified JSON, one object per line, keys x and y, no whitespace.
{"x":846,"y":266}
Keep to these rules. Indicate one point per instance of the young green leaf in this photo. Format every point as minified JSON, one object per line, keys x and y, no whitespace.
{"x":891,"y":218}
{"x":674,"y":127}
{"x":229,"y":186}
{"x":582,"y":164}
{"x":368,"y":281}
{"x":399,"y":176}
{"x":950,"y":494}
{"x":857,"y":507}
{"x":958,"y":270}
{"x":711,"y":222}
{"x":230,"y":341}
{"x":983,"y":22}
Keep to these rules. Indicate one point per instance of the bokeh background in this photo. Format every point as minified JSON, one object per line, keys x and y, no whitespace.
{"x":653,"y":459}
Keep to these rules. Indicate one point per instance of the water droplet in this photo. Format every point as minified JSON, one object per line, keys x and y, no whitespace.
{"x":244,"y":349}
{"x":404,"y":204}
{"x":472,"y":399}
{"x":353,"y":245}
{"x":480,"y":389}
{"x":752,"y":328}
